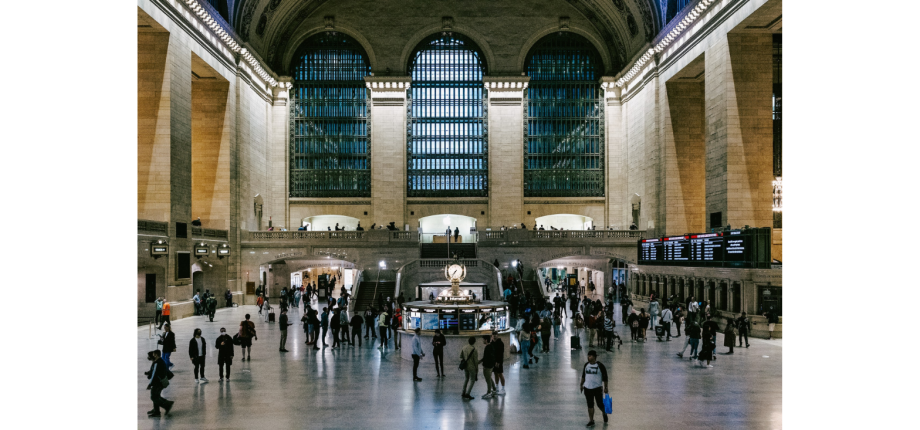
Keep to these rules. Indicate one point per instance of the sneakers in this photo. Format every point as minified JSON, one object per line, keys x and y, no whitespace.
{"x":526,"y":366}
{"x":500,"y":392}
{"x":417,"y":379}
{"x":680,"y":354}
{"x":197,"y":380}
{"x":203,"y":379}
{"x":487,"y":396}
{"x":467,"y":396}
{"x":590,"y":424}
{"x":537,"y":358}
{"x":710,"y":366}
{"x":220,"y":380}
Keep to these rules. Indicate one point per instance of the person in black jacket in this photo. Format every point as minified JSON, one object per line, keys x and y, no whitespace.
{"x":197,"y":351}
{"x":224,"y":345}
{"x":157,"y":373}
{"x":369,"y":315}
{"x":744,"y":327}
{"x":283,"y":324}
{"x":228,"y":296}
{"x":356,"y":322}
{"x":335,"y":322}
{"x":169,"y":344}
{"x":438,"y":352}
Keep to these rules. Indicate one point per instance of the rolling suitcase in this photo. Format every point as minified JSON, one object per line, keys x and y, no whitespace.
{"x":271,"y":316}
{"x":659,"y":331}
{"x":575,"y":342}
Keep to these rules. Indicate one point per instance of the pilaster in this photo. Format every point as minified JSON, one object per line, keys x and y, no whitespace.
{"x":388,"y":148}
{"x":617,"y":207}
{"x":506,"y":149}
{"x":279,"y":155}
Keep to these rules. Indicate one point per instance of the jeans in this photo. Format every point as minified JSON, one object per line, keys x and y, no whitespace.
{"x":166,"y":358}
{"x":199,"y":366}
{"x":525,"y":351}
{"x":652,"y":321}
{"x":469,"y":381}
{"x":490,"y":384}
{"x":396,"y":341}
{"x":438,"y":355}
{"x":694,"y":344}
{"x":344,"y":333}
{"x":335,"y":337}
{"x":556,"y":331}
{"x":743,"y":334}
{"x":415,"y":360}
{"x":677,"y":324}
{"x":369,"y":330}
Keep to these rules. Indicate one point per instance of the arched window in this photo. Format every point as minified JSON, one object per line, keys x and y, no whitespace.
{"x":447,"y":145}
{"x":330,"y":139}
{"x":564,"y":117}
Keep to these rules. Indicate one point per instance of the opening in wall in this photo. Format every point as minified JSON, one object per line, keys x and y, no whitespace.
{"x":181,"y":230}
{"x":715,"y":220}
{"x":183,"y":265}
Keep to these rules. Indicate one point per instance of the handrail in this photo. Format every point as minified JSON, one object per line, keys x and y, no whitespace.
{"x":152,"y":226}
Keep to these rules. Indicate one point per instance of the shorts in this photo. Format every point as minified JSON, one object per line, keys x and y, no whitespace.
{"x":595,"y":395}
{"x":245,"y":342}
{"x":499,"y":369}
{"x":771,"y":326}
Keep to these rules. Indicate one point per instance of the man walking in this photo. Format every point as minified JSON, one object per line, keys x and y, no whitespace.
{"x":324,"y":324}
{"x":593,"y":376}
{"x":158,"y":374}
{"x":469,"y":358}
{"x":283,"y":325}
{"x":336,"y":325}
{"x":382,"y":326}
{"x":417,"y":353}
{"x":197,"y":351}
{"x":653,"y":309}
{"x":772,"y":320}
{"x":211,"y":304}
{"x":247,"y":333}
{"x":744,"y":327}
{"x":666,"y":317}
{"x":488,"y":365}
{"x":224,"y":345}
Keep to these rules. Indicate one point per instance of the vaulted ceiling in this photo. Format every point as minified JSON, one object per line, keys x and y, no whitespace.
{"x":619,"y":28}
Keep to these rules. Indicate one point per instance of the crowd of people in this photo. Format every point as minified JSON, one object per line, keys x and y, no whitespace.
{"x":535,"y":322}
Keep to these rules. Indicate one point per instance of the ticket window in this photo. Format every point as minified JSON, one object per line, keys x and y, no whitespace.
{"x":447,"y":321}
{"x":468,"y":321}
{"x":413,"y":322}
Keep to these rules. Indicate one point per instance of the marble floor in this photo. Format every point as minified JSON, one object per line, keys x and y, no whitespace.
{"x":364,"y":387}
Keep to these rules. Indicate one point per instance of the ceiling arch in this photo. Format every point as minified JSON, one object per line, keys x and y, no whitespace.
{"x":615,"y":22}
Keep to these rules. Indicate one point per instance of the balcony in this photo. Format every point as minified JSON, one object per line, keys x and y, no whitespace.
{"x":329,"y":238}
{"x":546,"y":237}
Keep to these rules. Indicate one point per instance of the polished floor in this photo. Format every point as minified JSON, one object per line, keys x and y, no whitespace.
{"x":358,"y":388}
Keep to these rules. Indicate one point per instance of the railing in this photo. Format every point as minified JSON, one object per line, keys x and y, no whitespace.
{"x":585,"y":234}
{"x":491,"y":235}
{"x":209,"y":233}
{"x":442,"y":263}
{"x":408,"y":236}
{"x":291,"y":235}
{"x":153,"y":226}
{"x":443,"y":237}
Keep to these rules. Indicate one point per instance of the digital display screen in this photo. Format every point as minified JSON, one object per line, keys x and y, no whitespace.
{"x":468,"y":321}
{"x":201,"y":250}
{"x":749,"y":248}
{"x":223,"y":251}
{"x":160,"y":250}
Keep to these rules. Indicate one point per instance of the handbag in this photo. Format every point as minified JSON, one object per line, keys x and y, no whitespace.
{"x":463,"y":362}
{"x":237,"y":340}
{"x":608,"y":404}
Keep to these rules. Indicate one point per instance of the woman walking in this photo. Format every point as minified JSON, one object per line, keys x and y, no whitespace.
{"x":706,"y":352}
{"x":644,"y":319}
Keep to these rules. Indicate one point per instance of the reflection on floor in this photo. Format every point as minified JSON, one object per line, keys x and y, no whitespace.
{"x":364,"y":387}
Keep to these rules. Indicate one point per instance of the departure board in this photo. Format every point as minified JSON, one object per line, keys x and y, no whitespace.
{"x":737,"y":248}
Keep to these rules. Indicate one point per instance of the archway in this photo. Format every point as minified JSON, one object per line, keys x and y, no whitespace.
{"x":433,"y":229}
{"x":565,"y":221}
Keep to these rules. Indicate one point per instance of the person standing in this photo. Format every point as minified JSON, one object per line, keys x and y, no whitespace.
{"x":336,"y":325}
{"x":524,"y":341}
{"x":653,"y":310}
{"x":369,"y":317}
{"x":469,"y":360}
{"x":546,"y":326}
{"x":159,"y":311}
{"x":744,"y":327}
{"x":228,"y":296}
{"x":417,"y":353}
{"x":488,"y":365}
{"x":394,"y":326}
{"x":324,"y":324}
{"x":283,"y":325}
{"x":164,"y":316}
{"x":159,"y":375}
{"x":557,"y":323}
{"x":356,"y":322}
{"x":315,"y":328}
{"x":437,"y":352}
{"x":593,"y":377}
{"x":297,"y":296}
{"x":169,"y":344}
{"x":343,"y":324}
{"x":224,"y":344}
{"x":666,"y":317}
{"x":591,"y":325}
{"x":678,"y":318}
{"x":307,"y":329}
{"x":692,"y":309}
{"x":499,"y":371}
{"x":382,"y":327}
{"x":197,"y":301}
{"x":456,"y":233}
{"x":197,"y":352}
{"x":772,"y":320}
{"x":247,"y":333}
{"x":730,"y":336}
{"x":609,"y":325}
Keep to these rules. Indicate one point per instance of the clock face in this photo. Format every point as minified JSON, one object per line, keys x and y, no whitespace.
{"x":455,"y":271}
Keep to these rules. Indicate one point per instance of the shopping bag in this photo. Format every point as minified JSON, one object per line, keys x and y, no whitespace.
{"x":608,"y":404}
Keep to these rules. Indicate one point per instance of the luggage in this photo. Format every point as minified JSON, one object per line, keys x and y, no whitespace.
{"x":271,"y":316}
{"x":659,"y":331}
{"x":575,"y":342}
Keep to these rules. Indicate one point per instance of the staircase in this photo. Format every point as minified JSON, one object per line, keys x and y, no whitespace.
{"x":440,"y":250}
{"x":532,"y":288}
{"x":366,"y":293}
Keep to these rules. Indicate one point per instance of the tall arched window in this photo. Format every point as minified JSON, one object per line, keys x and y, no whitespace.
{"x":447,"y":145}
{"x":564,"y":117}
{"x":330,"y":136}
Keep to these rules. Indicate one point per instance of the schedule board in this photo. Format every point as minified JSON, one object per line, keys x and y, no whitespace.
{"x":737,"y":248}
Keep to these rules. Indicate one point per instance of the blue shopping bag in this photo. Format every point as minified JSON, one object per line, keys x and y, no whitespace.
{"x":608,"y":404}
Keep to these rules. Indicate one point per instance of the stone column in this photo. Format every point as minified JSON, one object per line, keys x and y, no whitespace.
{"x":388,"y":148}
{"x":279,"y":155}
{"x":617,"y":199}
{"x":739,"y":133}
{"x":506,"y":150}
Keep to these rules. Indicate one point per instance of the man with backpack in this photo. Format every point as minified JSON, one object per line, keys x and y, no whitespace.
{"x":247,"y":333}
{"x":211,"y":304}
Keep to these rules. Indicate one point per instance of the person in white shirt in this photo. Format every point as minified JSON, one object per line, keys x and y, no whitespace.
{"x":417,"y":353}
{"x":666,"y":317}
{"x":593,"y":376}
